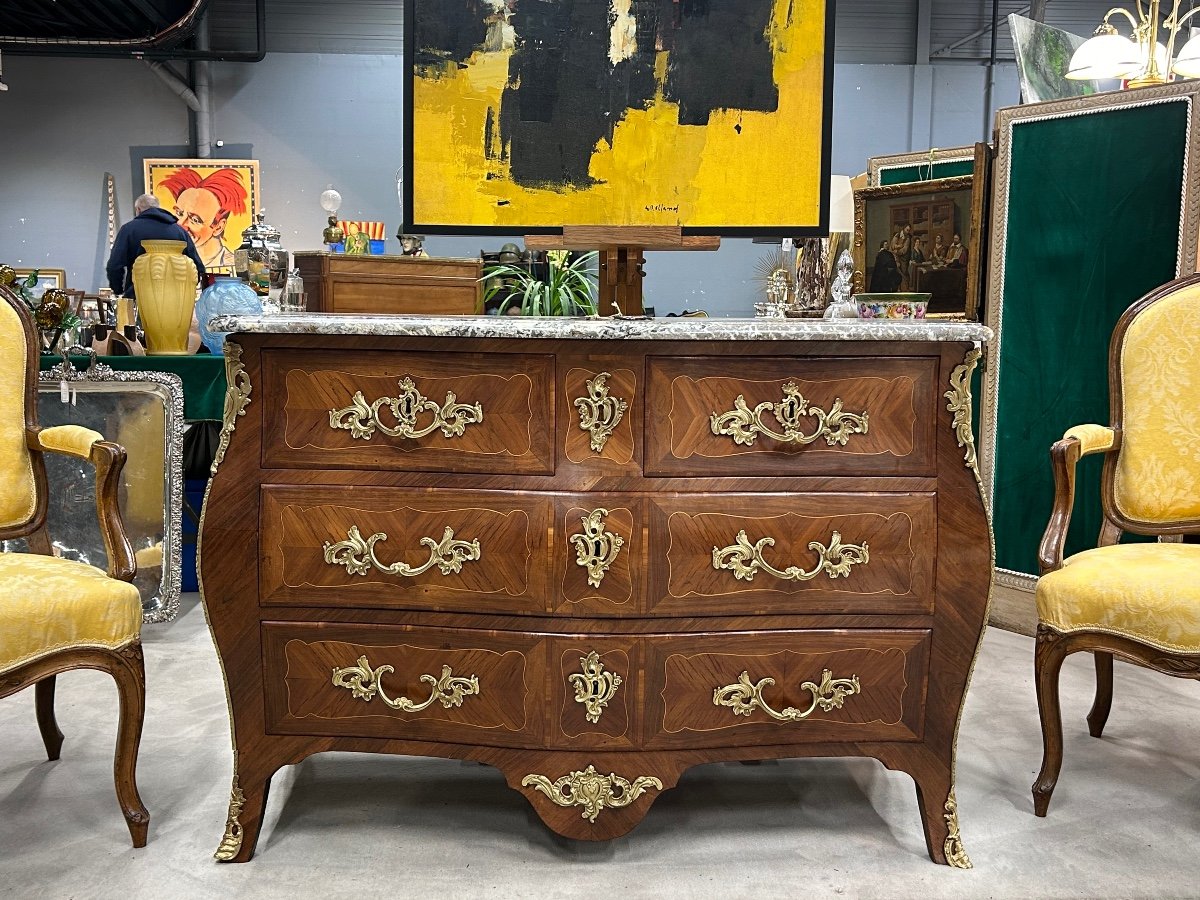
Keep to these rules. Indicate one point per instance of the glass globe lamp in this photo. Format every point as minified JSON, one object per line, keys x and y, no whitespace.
{"x":331,"y":202}
{"x":1107,"y":55}
{"x":1187,"y":64}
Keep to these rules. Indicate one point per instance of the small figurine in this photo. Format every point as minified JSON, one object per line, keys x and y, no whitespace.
{"x":411,"y":245}
{"x":333,"y":233}
{"x":842,"y":306}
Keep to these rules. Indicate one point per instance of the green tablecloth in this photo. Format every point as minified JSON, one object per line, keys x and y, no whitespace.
{"x":203,"y":377}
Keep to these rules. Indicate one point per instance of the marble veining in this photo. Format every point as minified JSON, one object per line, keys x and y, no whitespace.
{"x":616,"y":329}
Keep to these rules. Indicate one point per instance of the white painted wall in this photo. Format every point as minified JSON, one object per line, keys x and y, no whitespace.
{"x":316,"y":119}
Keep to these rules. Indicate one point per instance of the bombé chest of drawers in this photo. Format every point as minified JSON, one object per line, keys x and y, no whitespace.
{"x":596,"y":553}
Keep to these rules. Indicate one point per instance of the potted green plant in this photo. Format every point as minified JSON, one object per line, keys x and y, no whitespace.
{"x":568,"y":290}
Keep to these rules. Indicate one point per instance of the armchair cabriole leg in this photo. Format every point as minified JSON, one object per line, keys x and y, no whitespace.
{"x":1048,"y":660}
{"x":1098,"y":716}
{"x":43,"y":693}
{"x":129,"y":671}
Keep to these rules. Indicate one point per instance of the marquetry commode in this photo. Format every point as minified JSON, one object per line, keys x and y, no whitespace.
{"x":595,"y":553}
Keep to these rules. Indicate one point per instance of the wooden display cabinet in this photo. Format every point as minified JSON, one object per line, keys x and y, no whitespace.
{"x":390,"y":285}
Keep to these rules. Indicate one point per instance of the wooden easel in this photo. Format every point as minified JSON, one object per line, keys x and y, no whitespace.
{"x":622,"y":257}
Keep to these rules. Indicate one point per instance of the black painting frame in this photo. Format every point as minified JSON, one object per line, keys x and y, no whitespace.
{"x":826,"y":162}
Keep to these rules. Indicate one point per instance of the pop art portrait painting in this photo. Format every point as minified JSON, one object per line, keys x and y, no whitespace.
{"x":214,"y":200}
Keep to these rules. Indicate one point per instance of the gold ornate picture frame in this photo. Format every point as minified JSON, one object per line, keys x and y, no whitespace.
{"x":933,"y":213}
{"x":46,"y":278}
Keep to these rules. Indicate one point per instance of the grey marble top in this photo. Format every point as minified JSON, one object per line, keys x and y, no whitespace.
{"x":608,"y":329}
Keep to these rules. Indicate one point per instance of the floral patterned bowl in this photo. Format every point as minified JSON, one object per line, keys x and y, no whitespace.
{"x":892,"y":306}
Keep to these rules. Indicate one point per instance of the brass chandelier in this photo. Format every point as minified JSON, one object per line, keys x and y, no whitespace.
{"x":1140,"y":60}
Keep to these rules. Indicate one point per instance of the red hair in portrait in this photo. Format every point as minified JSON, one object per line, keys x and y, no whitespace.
{"x":224,"y":184}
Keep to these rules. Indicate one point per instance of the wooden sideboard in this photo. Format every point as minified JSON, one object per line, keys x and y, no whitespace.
{"x":595,"y":559}
{"x":390,"y":285}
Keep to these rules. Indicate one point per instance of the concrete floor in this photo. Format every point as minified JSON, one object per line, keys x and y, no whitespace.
{"x":1125,"y":821}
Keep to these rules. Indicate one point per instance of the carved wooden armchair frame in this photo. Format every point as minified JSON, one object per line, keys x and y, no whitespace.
{"x":124,"y":663}
{"x":1053,"y":644}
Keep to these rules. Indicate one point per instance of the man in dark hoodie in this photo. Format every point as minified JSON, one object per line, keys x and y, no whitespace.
{"x":150,"y":223}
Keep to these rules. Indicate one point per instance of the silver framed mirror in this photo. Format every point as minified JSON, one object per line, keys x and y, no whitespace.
{"x":142,"y":411}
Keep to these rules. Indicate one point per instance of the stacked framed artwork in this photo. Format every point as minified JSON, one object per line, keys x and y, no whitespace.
{"x":927,"y":236}
{"x":525,"y":119}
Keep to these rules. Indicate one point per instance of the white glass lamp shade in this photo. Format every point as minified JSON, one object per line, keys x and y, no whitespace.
{"x":331,"y":200}
{"x":1187,"y":64}
{"x":1105,"y":56}
{"x":841,"y":205}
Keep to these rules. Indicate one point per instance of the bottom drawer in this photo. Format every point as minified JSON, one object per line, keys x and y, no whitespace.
{"x":727,"y":690}
{"x":595,"y":692}
{"x":458,"y":686}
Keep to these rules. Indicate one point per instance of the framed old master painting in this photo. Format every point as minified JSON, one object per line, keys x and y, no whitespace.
{"x":525,"y":116}
{"x":923,"y":237}
{"x":214,"y":199}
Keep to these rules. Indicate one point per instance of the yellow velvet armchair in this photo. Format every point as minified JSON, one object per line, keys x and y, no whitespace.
{"x":1140,"y":602}
{"x":58,"y":614}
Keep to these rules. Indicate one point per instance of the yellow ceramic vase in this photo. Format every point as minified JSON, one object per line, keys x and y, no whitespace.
{"x":165,"y":283}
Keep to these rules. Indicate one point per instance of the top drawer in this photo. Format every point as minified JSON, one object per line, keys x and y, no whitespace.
{"x":790,"y":416}
{"x":422,"y":412}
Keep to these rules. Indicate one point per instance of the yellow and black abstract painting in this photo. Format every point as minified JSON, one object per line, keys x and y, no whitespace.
{"x":530,"y":115}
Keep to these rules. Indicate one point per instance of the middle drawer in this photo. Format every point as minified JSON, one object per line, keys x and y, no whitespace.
{"x":607,"y":555}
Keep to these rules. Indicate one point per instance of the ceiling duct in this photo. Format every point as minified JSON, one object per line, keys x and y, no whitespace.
{"x":139,"y":29}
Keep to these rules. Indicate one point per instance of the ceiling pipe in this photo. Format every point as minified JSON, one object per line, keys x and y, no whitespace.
{"x":152,"y":48}
{"x":177,"y":85}
{"x":989,"y":100}
{"x":202,"y":79}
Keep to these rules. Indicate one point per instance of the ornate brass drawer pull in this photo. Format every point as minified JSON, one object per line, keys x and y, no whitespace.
{"x":594,"y":687}
{"x":358,"y":554}
{"x":599,"y":413}
{"x":596,"y":549}
{"x":364,"y":682}
{"x":744,"y":559}
{"x":591,"y":790}
{"x":744,"y":425}
{"x":362,"y":420}
{"x":745,"y":697}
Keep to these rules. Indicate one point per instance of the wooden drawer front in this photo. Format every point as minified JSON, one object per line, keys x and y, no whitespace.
{"x":403,"y":295}
{"x":393,"y":682}
{"x":595,"y":692}
{"x":780,"y":416}
{"x":400,"y":549}
{"x":599,"y":556}
{"x":428,"y":412}
{"x":717,"y":690}
{"x":744,"y":554}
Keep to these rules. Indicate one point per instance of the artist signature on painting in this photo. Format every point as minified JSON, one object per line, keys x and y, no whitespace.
{"x":661,"y":207}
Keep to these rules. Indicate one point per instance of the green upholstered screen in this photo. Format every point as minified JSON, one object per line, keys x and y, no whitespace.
{"x":908,"y":174}
{"x":1087,"y":219}
{"x":905,"y":168}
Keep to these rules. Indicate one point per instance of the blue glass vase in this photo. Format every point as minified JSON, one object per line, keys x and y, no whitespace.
{"x":227,"y":296}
